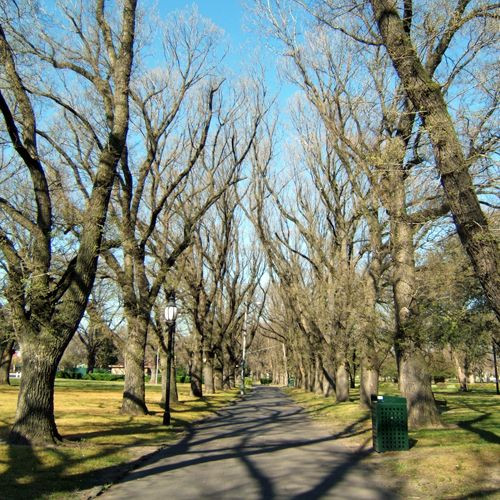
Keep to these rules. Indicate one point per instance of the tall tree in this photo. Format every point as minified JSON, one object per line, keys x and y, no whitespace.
{"x":174,"y":109}
{"x":46,"y":299}
{"x":428,"y":100}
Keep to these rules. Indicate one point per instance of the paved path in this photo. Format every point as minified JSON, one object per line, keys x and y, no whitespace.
{"x":263,"y":447}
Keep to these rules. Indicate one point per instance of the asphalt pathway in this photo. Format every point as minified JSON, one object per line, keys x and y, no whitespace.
{"x":262,"y":447}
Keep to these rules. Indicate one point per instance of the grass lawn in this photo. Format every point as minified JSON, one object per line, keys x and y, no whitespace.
{"x":87,"y":411}
{"x":459,"y":460}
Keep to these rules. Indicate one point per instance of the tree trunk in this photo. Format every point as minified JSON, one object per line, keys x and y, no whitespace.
{"x":309,"y":379}
{"x":218,"y":376}
{"x":218,"y":368}
{"x":341,"y":383}
{"x":55,"y":312}
{"x":461,"y":371}
{"x":303,"y":377}
{"x":318,"y":376}
{"x":328,"y":390}
{"x":91,"y":359}
{"x":285,"y":364}
{"x":427,"y":97}
{"x":34,"y":421}
{"x":352,"y":371}
{"x":5,"y":361}
{"x":226,"y":384}
{"x":134,"y":390}
{"x":369,"y":384}
{"x":415,"y":386}
{"x":352,"y":379}
{"x":208,"y":371}
{"x":231,"y":376}
{"x":197,"y":371}
{"x":413,"y":373}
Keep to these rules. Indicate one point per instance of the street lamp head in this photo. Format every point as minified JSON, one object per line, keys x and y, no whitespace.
{"x":171,"y":309}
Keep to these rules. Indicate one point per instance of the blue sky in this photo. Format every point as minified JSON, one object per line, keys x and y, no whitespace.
{"x":245,"y":45}
{"x":227,"y":14}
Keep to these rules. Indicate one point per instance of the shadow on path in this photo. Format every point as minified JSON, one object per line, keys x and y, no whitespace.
{"x":264,"y":447}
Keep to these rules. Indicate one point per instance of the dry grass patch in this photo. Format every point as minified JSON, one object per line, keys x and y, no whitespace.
{"x":446,"y":472}
{"x":101,"y":442}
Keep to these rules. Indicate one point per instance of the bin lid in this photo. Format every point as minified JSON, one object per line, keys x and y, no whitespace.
{"x":391,"y":399}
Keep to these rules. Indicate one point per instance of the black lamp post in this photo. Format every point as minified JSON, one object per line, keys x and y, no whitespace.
{"x":243,"y":352}
{"x":170,"y":316}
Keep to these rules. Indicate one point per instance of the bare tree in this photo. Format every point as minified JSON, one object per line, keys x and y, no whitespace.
{"x":428,"y":99}
{"x":174,"y":108}
{"x":221,"y":279}
{"x":47,"y":299}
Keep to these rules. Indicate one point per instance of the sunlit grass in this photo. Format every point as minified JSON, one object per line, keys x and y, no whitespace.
{"x":459,"y":460}
{"x":100,"y":442}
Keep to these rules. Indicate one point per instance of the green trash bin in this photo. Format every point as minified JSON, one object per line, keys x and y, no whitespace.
{"x":389,"y":423}
{"x":291,"y":381}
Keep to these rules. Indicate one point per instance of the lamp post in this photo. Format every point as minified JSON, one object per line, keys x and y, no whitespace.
{"x":170,"y":317}
{"x":244,"y":352}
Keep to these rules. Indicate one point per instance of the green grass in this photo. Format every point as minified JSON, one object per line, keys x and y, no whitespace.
{"x":101,"y":441}
{"x":459,"y":460}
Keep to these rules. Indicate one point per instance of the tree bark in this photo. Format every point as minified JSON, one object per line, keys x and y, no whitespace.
{"x":427,"y":97}
{"x":328,"y":389}
{"x":415,"y":385}
{"x":461,"y":371}
{"x":91,"y":358}
{"x":285,"y":365}
{"x":352,"y":372}
{"x":197,"y":371}
{"x":208,"y":371}
{"x":34,"y":421}
{"x":134,"y":390}
{"x":318,"y":376}
{"x":368,"y":385}
{"x":218,"y":375}
{"x":5,"y":361}
{"x":231,"y":377}
{"x":341,"y":382}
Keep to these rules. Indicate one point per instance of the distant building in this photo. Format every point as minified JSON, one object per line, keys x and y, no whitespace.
{"x":120,"y":370}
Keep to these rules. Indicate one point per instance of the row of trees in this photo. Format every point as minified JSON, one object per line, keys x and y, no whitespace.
{"x":109,"y":152}
{"x":177,"y":178}
{"x":395,"y":128}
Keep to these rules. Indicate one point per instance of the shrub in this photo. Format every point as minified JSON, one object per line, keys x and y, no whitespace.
{"x":265,"y":381}
{"x":68,"y":374}
{"x":104,"y":376}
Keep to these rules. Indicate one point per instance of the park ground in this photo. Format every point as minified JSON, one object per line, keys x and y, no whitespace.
{"x":459,"y":460}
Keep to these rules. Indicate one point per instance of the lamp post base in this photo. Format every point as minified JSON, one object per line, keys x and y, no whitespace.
{"x":166,"y":418}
